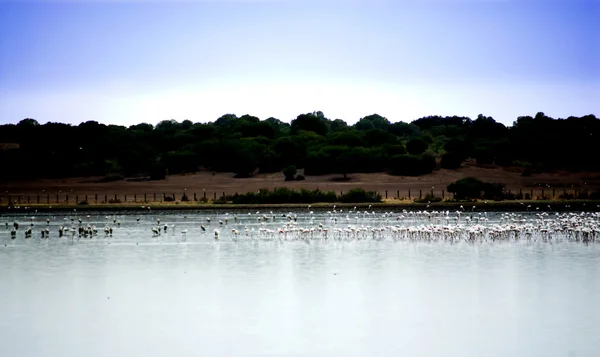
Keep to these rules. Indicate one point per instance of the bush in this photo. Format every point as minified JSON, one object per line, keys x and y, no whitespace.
{"x":358,"y":195}
{"x":300,"y":178}
{"x":466,"y":188}
{"x":168,"y":199}
{"x":158,"y":172}
{"x":184,"y":198}
{"x":451,"y":161}
{"x":289,"y":172}
{"x":484,"y":156}
{"x":83,"y":203}
{"x":410,"y":165}
{"x":285,"y":195}
{"x":416,"y":146}
{"x":493,"y":191}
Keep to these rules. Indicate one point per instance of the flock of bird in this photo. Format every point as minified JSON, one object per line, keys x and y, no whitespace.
{"x":353,"y":224}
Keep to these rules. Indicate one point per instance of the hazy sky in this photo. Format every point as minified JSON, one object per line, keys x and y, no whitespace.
{"x":135,"y":61}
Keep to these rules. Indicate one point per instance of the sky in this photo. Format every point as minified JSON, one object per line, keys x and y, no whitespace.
{"x":133,"y":61}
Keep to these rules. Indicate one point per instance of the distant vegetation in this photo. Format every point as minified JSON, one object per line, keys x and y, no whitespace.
{"x":285,"y":195}
{"x":246,"y":145}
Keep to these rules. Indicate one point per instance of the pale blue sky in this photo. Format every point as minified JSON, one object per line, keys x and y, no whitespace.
{"x":127,"y":62}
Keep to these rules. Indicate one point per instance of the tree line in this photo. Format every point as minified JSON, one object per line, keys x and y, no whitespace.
{"x":246,"y":145}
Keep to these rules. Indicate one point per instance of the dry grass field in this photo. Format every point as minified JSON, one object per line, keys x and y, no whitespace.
{"x":219,"y":183}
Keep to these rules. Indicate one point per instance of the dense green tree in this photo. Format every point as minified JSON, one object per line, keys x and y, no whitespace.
{"x":416,"y":146}
{"x":246,"y":144}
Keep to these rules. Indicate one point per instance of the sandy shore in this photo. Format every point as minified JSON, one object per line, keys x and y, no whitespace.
{"x":390,"y":205}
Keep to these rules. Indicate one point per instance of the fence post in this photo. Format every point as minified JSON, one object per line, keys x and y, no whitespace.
{"x":27,"y":199}
{"x":215,"y":195}
{"x":542,"y":193}
{"x":531,"y":195}
{"x":38,"y":199}
{"x":386,"y":194}
{"x":432,"y":193}
{"x":204,"y":194}
{"x":48,"y":199}
{"x":420,"y":194}
{"x":195,"y":199}
{"x":125,"y":198}
{"x":76,"y":199}
{"x":409,"y":194}
{"x":398,"y":194}
{"x":57,"y":198}
{"x":145,"y":197}
{"x":173,"y":197}
{"x":442,"y":194}
{"x":96,"y":197}
{"x":19,"y":199}
{"x":105,"y":198}
{"x":553,"y":193}
{"x":86,"y":199}
{"x":66,"y":198}
{"x":135,"y":197}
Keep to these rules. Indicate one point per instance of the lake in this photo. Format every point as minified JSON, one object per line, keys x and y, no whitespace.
{"x":301,"y":284}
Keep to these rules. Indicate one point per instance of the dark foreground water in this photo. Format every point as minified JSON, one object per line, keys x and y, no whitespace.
{"x":261,"y":295}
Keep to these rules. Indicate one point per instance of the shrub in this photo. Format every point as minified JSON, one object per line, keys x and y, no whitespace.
{"x":300,"y":178}
{"x":158,"y":172}
{"x":410,"y":165}
{"x":289,"y":172}
{"x":416,"y":146}
{"x":83,"y":203}
{"x":493,"y":191}
{"x":168,"y":199}
{"x":484,"y":156}
{"x":285,"y":195}
{"x":358,"y":195}
{"x":451,"y":161}
{"x":184,"y":198}
{"x":466,"y":188}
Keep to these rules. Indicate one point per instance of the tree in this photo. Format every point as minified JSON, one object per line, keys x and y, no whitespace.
{"x":314,"y":122}
{"x":416,"y":146}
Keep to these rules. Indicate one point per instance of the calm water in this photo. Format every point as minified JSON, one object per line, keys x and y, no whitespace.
{"x":187,"y":295}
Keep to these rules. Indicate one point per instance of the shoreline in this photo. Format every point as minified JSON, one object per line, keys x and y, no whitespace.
{"x":522,"y":205}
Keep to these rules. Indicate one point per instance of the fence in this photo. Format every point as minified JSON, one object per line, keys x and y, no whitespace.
{"x":161,"y":197}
